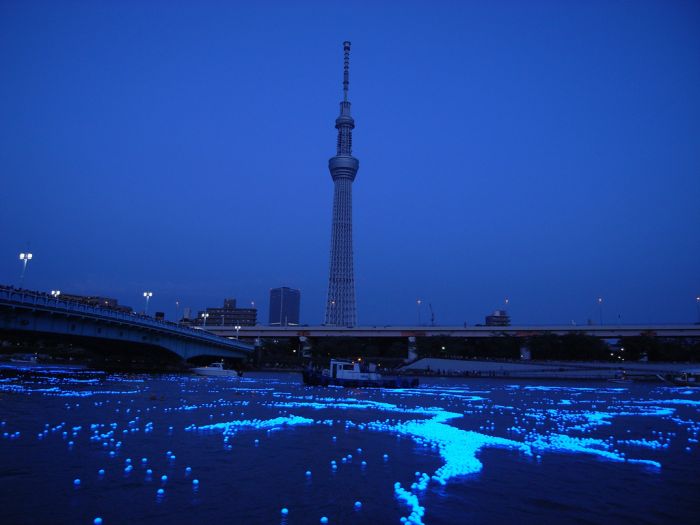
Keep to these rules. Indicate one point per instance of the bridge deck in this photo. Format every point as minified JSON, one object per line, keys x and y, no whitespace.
{"x":603,"y":331}
{"x":36,"y":309}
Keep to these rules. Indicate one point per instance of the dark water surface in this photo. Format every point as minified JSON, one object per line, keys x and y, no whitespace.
{"x":450,"y":451}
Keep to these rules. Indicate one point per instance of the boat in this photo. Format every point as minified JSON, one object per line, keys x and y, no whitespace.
{"x":216,"y":370}
{"x":621,"y":380}
{"x":24,"y":359}
{"x":689,"y":377}
{"x":621,"y":377}
{"x":352,"y":375}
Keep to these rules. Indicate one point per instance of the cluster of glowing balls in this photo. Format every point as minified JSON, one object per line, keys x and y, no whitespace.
{"x":562,"y":419}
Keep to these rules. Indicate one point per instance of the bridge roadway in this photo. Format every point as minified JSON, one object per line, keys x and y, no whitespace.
{"x":602,"y":331}
{"x":23,"y":311}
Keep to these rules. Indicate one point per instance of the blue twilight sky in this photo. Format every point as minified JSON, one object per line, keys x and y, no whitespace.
{"x":544,"y":151}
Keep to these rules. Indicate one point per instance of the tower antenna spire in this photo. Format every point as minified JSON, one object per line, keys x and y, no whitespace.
{"x":346,"y":70}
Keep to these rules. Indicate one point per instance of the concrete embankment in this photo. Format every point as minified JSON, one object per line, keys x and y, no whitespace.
{"x":543,"y":369}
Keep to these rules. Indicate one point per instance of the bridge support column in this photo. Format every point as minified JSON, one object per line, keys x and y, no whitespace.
{"x":304,"y":346}
{"x":525,"y":353}
{"x":412,"y":350}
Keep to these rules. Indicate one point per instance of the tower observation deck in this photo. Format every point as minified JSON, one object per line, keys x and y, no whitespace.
{"x":340,"y":304}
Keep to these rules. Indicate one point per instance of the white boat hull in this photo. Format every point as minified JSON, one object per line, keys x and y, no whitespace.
{"x":214,"y":372}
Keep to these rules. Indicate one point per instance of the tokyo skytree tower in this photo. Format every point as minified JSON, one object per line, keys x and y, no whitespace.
{"x":340,"y":305}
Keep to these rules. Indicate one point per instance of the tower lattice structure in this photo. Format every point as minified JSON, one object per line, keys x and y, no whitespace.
{"x":340,"y":304}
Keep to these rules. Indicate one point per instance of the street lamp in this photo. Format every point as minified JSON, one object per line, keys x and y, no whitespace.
{"x":25,"y":258}
{"x":418,"y":301}
{"x":177,"y":310}
{"x":55,"y":294}
{"x":237,"y":327}
{"x":148,"y":296}
{"x":600,"y":309}
{"x":204,"y":318}
{"x":697,"y":303}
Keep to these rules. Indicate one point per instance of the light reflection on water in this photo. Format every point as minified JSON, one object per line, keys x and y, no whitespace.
{"x":275,"y":443}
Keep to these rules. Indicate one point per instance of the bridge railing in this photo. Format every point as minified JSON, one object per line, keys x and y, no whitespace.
{"x":37,"y":299}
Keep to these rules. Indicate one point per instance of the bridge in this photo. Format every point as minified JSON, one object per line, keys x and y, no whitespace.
{"x":602,"y":331}
{"x":32,"y":312}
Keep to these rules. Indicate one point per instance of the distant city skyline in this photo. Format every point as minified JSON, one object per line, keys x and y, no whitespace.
{"x":543,"y":152}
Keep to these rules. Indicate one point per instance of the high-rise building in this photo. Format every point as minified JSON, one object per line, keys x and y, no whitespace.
{"x":284,"y":306}
{"x":92,"y":300}
{"x":340,"y":303}
{"x":229,"y":315}
{"x":498,"y":318}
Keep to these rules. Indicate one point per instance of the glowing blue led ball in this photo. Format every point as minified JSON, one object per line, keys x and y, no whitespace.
{"x":285,"y":511}
{"x":308,"y":473}
{"x":358,"y":504}
{"x":164,"y":478}
{"x":324,"y":520}
{"x":76,"y":482}
{"x":144,"y":460}
{"x":101,"y":472}
{"x":149,"y":472}
{"x":364,"y":463}
{"x":160,"y":492}
{"x":97,"y":521}
{"x":188,"y":469}
{"x":386,"y":456}
{"x":195,"y":482}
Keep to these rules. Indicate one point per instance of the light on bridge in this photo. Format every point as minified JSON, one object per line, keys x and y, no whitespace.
{"x":148,"y":296}
{"x":25,"y":258}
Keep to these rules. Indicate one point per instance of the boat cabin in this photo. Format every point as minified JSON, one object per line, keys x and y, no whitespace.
{"x":351,"y":370}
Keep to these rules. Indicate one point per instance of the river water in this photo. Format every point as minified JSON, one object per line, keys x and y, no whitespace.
{"x":80,"y":447}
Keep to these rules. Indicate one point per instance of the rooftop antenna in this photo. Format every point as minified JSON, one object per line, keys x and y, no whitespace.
{"x":346,"y":70}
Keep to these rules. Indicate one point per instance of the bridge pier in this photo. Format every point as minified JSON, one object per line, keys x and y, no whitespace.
{"x":412,"y":349}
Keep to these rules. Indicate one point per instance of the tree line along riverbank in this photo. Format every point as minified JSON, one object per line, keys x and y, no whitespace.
{"x":294,"y":353}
